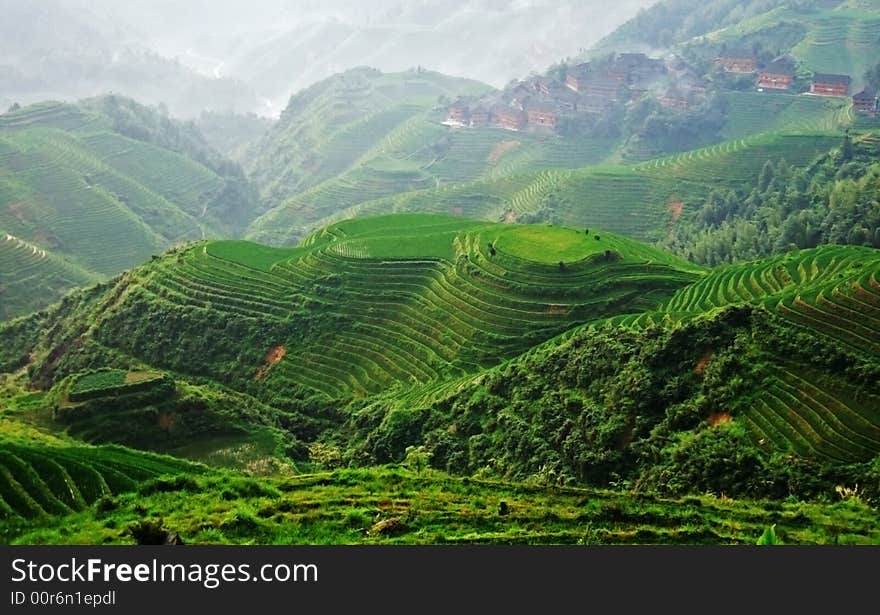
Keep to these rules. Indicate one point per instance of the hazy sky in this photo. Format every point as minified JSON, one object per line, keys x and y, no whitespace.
{"x":265,"y":50}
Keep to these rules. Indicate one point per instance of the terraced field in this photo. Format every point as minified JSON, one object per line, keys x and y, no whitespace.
{"x":741,"y":160}
{"x":90,"y":201}
{"x":32,"y":276}
{"x":832,"y":291}
{"x":753,"y":112}
{"x":842,"y":41}
{"x":410,"y":300}
{"x":38,"y":480}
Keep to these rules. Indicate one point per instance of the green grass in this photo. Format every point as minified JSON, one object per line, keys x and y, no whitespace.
{"x":403,"y":300}
{"x":46,"y":478}
{"x":91,"y":201}
{"x":550,"y":244}
{"x":753,"y":112}
{"x":833,"y":292}
{"x":249,"y":253}
{"x":344,"y":507}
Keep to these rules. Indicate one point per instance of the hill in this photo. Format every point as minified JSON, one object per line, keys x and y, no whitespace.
{"x":70,"y":173}
{"x":822,"y":36}
{"x":637,"y":200}
{"x":73,"y":49}
{"x":508,"y":352}
{"x":366,"y":304}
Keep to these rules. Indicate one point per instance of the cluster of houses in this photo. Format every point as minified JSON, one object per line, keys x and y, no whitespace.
{"x":539,"y":103}
{"x":779,"y":75}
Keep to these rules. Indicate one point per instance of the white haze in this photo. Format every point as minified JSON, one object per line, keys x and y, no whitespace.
{"x":251,"y":55}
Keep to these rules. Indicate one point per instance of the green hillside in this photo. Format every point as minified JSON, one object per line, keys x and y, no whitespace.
{"x":829,"y":36}
{"x":364,"y":135}
{"x":31,"y":277}
{"x":507,"y":352}
{"x":634,"y":200}
{"x":368,"y":304}
{"x":92,"y":201}
{"x":402,"y":506}
{"x":42,"y":476}
{"x":331,"y":126}
{"x":832,"y":292}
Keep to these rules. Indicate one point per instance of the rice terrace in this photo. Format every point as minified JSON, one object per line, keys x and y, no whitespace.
{"x":623,"y":289}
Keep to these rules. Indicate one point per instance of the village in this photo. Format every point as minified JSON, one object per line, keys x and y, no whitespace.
{"x":542,"y":104}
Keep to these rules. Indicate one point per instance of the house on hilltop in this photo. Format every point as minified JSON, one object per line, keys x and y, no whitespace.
{"x":508,"y":118}
{"x":577,"y":77}
{"x":480,"y":117}
{"x":738,"y":61}
{"x":826,"y":84}
{"x":639,"y":67}
{"x":778,"y":75}
{"x":458,"y":114}
{"x":867,"y":102}
{"x":542,"y":115}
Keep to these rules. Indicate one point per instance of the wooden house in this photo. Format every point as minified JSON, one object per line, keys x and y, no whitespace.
{"x":827,"y":84}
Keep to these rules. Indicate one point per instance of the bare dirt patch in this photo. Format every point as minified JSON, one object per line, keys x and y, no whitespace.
{"x":273,"y":358}
{"x":703,"y":363}
{"x":558,"y":310}
{"x":509,"y":217}
{"x":166,"y":421}
{"x":719,"y":418}
{"x":500,"y":149}
{"x":675,"y":210}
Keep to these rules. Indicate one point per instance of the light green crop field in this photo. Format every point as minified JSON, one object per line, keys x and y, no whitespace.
{"x":407,"y":299}
{"x":89,"y":202}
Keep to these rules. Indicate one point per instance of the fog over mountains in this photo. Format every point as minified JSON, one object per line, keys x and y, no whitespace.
{"x":251,"y":56}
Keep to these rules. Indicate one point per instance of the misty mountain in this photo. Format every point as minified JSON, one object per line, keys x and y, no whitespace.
{"x":252,"y":56}
{"x":62,"y":49}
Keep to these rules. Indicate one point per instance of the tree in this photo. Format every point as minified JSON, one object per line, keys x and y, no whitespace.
{"x":846,"y":150}
{"x":417,"y":458}
{"x":14,"y":107}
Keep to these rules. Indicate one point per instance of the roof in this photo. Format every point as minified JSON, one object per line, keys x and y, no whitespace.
{"x":869,"y":94}
{"x":831,"y":78}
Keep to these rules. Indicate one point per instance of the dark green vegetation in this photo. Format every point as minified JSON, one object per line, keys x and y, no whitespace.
{"x":548,"y":382}
{"x":540,"y":354}
{"x":89,"y":190}
{"x":832,"y":201}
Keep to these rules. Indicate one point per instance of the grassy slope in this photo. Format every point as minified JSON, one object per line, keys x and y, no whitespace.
{"x":632,"y":200}
{"x":94,"y":201}
{"x":363,"y":135}
{"x":834,"y":293}
{"x":344,"y":506}
{"x":32,"y":277}
{"x":401,"y":300}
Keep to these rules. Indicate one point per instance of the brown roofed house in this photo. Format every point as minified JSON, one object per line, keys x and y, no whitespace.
{"x":739,"y":61}
{"x":826,"y":84}
{"x":542,"y":115}
{"x":508,"y":118}
{"x":778,"y":75}
{"x":458,"y":114}
{"x":577,"y":77}
{"x":867,"y":102}
{"x":480,"y":117}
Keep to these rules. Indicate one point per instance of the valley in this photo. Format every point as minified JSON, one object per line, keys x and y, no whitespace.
{"x":633,"y":299}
